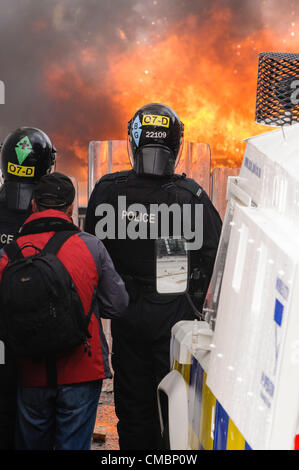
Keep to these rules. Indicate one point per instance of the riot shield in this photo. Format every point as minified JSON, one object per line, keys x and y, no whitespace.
{"x":75,"y":215}
{"x":195,"y":162}
{"x":226,"y":211}
{"x":111,"y":155}
{"x":106,"y":156}
{"x":218,"y":189}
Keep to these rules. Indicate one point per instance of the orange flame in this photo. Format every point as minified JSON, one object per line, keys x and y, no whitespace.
{"x":213,"y":94}
{"x":212,"y":88}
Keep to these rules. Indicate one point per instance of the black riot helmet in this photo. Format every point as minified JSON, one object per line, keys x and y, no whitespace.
{"x":155,"y":140}
{"x":26,"y":155}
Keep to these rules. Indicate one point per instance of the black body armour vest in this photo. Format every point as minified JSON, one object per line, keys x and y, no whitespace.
{"x":134,"y":200}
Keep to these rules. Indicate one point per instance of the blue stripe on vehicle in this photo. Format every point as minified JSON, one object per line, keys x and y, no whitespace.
{"x":196,"y":382}
{"x":221,"y":427}
{"x":278,"y":312}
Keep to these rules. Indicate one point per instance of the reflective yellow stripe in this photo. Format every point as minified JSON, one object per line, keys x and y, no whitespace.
{"x":235,"y":440}
{"x":207,"y":419}
{"x":205,"y":440}
{"x":183,"y":369}
{"x":186,"y":373}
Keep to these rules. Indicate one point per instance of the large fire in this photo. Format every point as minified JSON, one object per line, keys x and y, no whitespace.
{"x":212,"y":88}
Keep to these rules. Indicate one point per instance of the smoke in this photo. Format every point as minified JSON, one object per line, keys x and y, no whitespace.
{"x":38,"y":36}
{"x":56,"y":58}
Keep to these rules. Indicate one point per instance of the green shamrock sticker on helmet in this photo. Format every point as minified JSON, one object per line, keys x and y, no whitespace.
{"x":23,"y":149}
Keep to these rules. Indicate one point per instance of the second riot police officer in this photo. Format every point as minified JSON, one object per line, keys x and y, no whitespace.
{"x":141,"y":339}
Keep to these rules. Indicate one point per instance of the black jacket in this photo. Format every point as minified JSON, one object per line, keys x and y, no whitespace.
{"x":136,"y":258}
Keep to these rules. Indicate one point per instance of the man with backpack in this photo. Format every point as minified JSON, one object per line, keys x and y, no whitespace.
{"x":56,"y":282}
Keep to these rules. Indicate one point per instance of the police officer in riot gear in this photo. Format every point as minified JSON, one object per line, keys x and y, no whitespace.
{"x":141,"y":339}
{"x":26,"y":155}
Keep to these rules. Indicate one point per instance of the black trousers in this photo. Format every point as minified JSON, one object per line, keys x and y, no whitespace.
{"x":8,"y":408}
{"x":140,"y":360}
{"x":8,"y":401}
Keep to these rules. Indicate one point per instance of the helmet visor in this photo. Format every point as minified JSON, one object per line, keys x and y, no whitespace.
{"x":154,"y":160}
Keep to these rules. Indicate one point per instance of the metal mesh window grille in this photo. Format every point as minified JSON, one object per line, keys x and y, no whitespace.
{"x":277,"y":96}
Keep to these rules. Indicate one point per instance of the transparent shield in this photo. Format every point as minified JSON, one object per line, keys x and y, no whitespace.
{"x":218,"y":189}
{"x":195,"y":162}
{"x":226,"y":211}
{"x":75,"y":215}
{"x":112,"y":155}
{"x":104,"y":157}
{"x":213,"y":294}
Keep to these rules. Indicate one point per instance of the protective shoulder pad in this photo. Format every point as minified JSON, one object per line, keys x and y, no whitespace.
{"x":118,"y":176}
{"x":189,"y":184}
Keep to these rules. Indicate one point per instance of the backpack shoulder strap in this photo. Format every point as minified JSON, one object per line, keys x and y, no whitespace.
{"x":56,"y":242}
{"x":13,"y":251}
